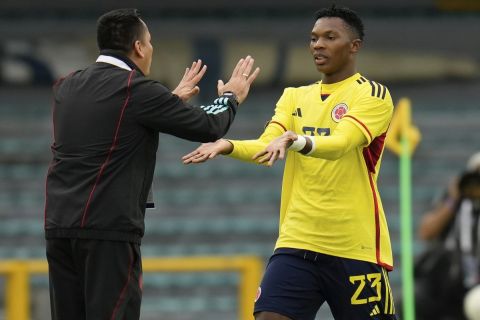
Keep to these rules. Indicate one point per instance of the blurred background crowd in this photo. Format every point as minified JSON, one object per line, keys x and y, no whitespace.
{"x":426,"y":50}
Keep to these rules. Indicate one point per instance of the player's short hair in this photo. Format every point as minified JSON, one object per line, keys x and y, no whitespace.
{"x":119,"y":29}
{"x":349,"y":16}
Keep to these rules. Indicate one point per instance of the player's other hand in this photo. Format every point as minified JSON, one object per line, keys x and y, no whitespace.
{"x":241,"y":79}
{"x":276,"y":149}
{"x":187,"y":87}
{"x":208,"y":151}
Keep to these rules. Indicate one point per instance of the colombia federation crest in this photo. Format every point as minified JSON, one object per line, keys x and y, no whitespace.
{"x":339,"y":111}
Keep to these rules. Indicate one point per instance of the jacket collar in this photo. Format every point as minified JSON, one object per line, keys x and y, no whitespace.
{"x":118,"y":59}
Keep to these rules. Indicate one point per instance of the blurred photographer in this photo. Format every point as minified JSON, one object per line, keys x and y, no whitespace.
{"x":434,"y":222}
{"x":451,"y":265}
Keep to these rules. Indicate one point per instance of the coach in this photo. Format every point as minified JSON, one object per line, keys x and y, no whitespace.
{"x":106,"y":120}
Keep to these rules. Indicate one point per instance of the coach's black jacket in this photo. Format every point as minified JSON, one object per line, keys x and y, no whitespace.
{"x":106,"y":120}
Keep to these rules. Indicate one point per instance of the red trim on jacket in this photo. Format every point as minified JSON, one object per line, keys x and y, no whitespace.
{"x":114,"y":144}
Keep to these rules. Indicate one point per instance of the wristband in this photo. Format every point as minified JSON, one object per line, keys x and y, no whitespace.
{"x":309,"y":146}
{"x":231,"y":96}
{"x":298,"y":144}
{"x":303,"y":145}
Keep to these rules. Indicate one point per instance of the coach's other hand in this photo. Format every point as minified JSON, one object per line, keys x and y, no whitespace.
{"x":187,"y":87}
{"x":240,"y":80}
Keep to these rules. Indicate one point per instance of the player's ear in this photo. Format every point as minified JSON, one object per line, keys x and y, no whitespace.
{"x":138,"y":49}
{"x":355,"y":45}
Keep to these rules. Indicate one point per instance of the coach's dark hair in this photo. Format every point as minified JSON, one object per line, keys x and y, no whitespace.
{"x":119,"y":29}
{"x":350,"y":17}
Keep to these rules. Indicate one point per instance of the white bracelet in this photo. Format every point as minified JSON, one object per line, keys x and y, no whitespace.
{"x":298,"y":144}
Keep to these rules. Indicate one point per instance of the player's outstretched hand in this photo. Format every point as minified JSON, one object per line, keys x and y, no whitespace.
{"x":208,"y":151}
{"x":276,"y":149}
{"x":240,"y":80}
{"x":187,"y":87}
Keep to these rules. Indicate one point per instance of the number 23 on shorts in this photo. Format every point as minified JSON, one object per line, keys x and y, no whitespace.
{"x":369,"y":289}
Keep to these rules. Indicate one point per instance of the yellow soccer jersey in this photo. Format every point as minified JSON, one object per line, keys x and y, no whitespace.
{"x":330,"y":202}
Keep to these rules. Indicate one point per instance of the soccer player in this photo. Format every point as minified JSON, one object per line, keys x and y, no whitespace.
{"x":333,"y":243}
{"x":106,"y":124}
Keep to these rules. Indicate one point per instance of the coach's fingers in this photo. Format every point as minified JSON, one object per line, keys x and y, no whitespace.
{"x":199,"y":75}
{"x":247,"y":67}
{"x":242,"y":65}
{"x":195,"y":90}
{"x":198,"y":65}
{"x":237,"y":67}
{"x":187,"y":70}
{"x":253,"y":76}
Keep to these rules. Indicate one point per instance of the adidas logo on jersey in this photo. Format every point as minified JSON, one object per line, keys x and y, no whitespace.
{"x":297,"y":113}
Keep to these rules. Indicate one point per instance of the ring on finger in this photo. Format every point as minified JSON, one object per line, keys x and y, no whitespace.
{"x":245,"y":75}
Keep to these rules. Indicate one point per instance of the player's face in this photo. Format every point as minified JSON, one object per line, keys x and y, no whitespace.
{"x":332,"y":45}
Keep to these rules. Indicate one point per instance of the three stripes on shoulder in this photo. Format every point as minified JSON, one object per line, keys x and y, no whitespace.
{"x":378,"y":90}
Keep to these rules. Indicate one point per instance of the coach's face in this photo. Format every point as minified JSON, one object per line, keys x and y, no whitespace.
{"x":144,"y":51}
{"x":333,"y":45}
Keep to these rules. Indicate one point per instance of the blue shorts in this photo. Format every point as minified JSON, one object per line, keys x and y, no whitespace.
{"x":297,"y":282}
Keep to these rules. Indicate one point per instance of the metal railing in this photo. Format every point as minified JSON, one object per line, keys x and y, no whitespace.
{"x":18,"y":272}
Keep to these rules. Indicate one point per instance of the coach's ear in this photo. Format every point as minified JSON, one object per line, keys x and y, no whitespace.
{"x":137,"y":49}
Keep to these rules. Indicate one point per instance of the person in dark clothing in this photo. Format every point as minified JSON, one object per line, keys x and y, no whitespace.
{"x":450,"y":265}
{"x":106,"y":124}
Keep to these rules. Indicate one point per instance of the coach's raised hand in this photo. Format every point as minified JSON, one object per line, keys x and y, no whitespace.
{"x":241,"y":79}
{"x":187,"y":87}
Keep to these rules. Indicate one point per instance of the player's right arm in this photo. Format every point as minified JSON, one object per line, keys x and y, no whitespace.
{"x":238,"y":149}
{"x":246,"y":149}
